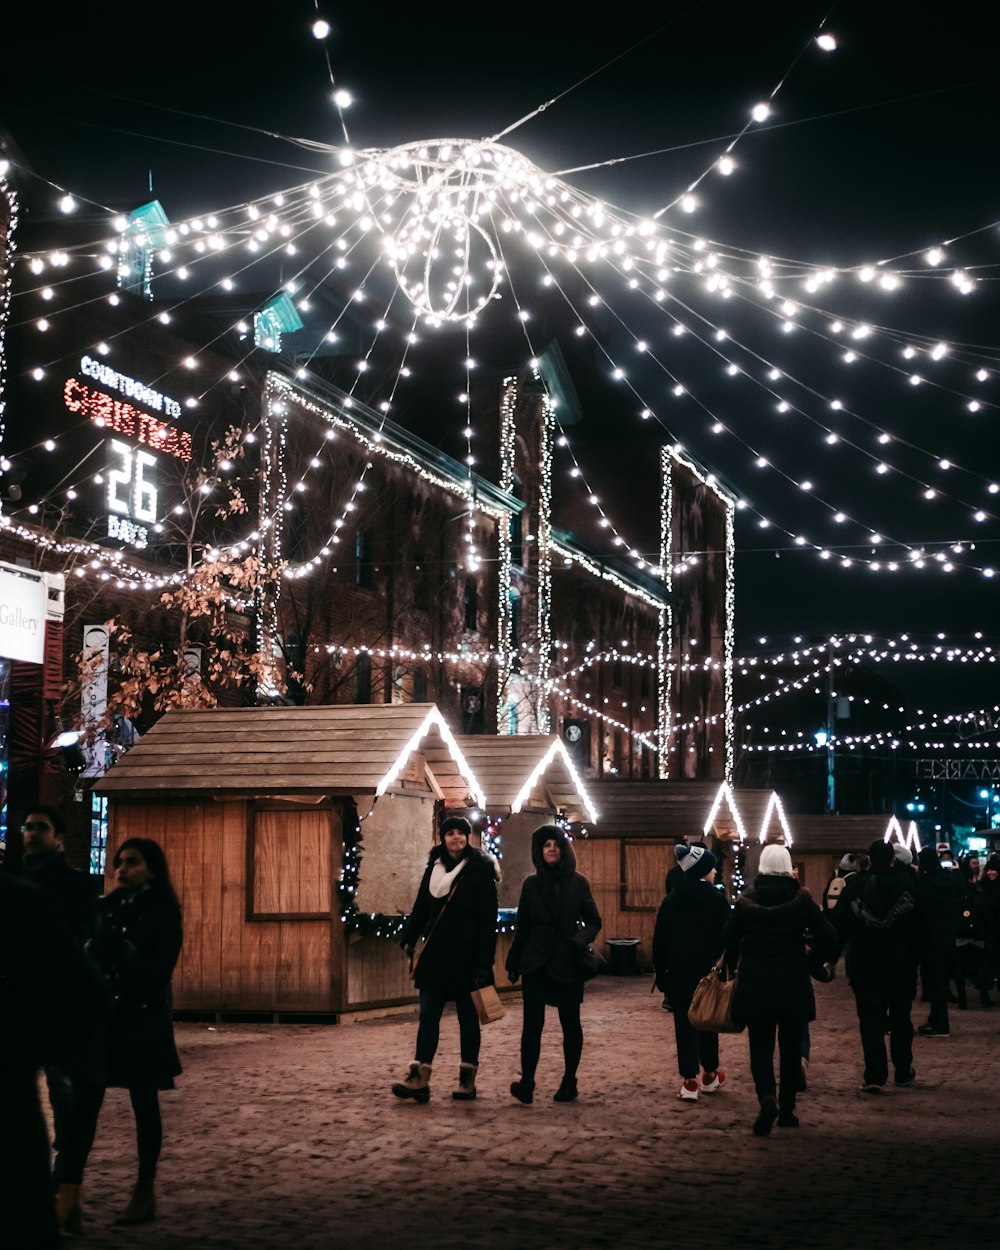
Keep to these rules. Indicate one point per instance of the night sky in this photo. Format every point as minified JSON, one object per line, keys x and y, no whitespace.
{"x":880,"y":149}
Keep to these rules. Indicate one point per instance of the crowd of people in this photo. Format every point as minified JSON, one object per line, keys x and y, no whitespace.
{"x":896,"y":922}
{"x":85,"y":995}
{"x":85,"y":988}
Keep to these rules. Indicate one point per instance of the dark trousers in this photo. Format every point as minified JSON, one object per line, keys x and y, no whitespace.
{"x":62,"y":1100}
{"x":429,"y":1029}
{"x":970,"y":966}
{"x":893,"y":997}
{"x":148,"y":1130}
{"x":789,"y":1035}
{"x":693,"y":1046}
{"x":534,"y":1022}
{"x":936,"y":969}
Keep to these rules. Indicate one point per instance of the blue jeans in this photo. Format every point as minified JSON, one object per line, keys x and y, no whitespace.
{"x":428,"y":1030}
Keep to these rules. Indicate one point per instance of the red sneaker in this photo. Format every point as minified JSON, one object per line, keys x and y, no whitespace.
{"x":688,"y":1091}
{"x":711,"y":1081}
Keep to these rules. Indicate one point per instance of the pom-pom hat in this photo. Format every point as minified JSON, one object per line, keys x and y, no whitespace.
{"x":695,"y":861}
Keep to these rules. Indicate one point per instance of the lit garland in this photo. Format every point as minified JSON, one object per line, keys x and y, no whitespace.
{"x":669,"y":456}
{"x":505,"y":642}
{"x":665,"y":633}
{"x":544,"y":548}
{"x":9,"y":245}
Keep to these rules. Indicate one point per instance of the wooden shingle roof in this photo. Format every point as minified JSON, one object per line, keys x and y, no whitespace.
{"x":670,"y":809}
{"x":341,"y":749}
{"x":838,"y":834}
{"x":528,"y":770}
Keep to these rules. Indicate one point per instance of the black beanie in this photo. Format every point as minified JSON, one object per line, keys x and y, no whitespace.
{"x":882,"y":855}
{"x":928,"y":860}
{"x":455,"y":822}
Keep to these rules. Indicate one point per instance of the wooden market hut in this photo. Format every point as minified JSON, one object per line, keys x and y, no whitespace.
{"x":529,"y":780}
{"x":820,"y":842}
{"x":628,"y":856}
{"x":258,"y":810}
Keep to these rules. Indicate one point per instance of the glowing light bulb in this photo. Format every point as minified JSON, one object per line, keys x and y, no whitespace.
{"x":689,"y":203}
{"x":67,"y":204}
{"x":826,"y":42}
{"x":726,"y":165}
{"x":342,"y":98}
{"x":760,"y":112}
{"x":320,"y":28}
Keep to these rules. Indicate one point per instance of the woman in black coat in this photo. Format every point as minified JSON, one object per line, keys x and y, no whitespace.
{"x":687,"y":941}
{"x":136,"y":944}
{"x":556,"y":918}
{"x":455,"y":912}
{"x":766,"y":936}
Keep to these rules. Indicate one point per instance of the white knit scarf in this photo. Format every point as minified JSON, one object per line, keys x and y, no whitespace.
{"x":442,"y":880}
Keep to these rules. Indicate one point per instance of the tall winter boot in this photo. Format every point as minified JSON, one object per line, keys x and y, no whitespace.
{"x":141,"y":1206}
{"x":69,"y":1213}
{"x":417,"y":1084}
{"x":465,"y":1091}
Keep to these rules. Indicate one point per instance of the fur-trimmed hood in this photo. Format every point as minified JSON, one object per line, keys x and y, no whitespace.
{"x":567,"y":862}
{"x":778,"y":895}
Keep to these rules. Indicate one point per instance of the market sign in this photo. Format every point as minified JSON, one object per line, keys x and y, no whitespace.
{"x":23,"y":608}
{"x":133,"y":476}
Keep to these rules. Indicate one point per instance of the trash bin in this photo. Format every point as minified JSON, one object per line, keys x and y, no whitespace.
{"x":623,"y":957}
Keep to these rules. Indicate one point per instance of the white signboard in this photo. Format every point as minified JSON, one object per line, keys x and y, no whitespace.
{"x":23,"y":602}
{"x":94,"y":695}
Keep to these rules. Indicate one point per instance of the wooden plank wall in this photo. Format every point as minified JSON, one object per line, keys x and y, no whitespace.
{"x":377,"y":971}
{"x":600,"y":861}
{"x":228,"y":963}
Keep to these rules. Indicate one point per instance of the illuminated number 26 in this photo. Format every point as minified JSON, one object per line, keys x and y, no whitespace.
{"x":130,"y":491}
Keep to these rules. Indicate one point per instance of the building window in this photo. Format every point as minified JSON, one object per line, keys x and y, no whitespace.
{"x":363,"y":679}
{"x":419,"y":686}
{"x":471,"y":602}
{"x":616,"y":676}
{"x":420,"y":598}
{"x":98,"y":834}
{"x":644,"y":681}
{"x":363,"y":570}
{"x":511,"y":717}
{"x":515,"y":630}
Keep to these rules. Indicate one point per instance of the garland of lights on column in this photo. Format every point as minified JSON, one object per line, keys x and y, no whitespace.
{"x":544,"y":550}
{"x":6,"y":192}
{"x":664,"y":676}
{"x":505,"y":643}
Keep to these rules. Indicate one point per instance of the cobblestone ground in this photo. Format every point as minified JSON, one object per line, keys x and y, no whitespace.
{"x":287,"y":1136}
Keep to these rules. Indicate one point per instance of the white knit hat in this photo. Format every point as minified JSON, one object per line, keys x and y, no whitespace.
{"x":775,"y":862}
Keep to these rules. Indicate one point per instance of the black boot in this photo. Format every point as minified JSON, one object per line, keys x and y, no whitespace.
{"x":522,"y":1090}
{"x":566,"y":1091}
{"x":767,"y":1116}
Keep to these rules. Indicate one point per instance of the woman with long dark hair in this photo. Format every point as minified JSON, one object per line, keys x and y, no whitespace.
{"x":136,"y":944}
{"x":556,"y":918}
{"x":455,"y":912}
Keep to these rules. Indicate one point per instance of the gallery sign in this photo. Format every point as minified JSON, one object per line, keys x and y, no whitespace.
{"x":23,"y":607}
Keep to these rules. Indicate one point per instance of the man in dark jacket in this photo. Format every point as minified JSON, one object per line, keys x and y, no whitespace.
{"x":48,"y":1008}
{"x":938,"y":901}
{"x":687,"y":941}
{"x":45,"y":865}
{"x":877,"y":914}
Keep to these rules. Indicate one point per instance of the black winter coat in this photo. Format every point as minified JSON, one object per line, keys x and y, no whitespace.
{"x":877,"y":913}
{"x":766,"y":935}
{"x":460,"y":952}
{"x":937,"y":897}
{"x":687,"y":939}
{"x":556,"y":915}
{"x":69,"y":888}
{"x":137,"y":944}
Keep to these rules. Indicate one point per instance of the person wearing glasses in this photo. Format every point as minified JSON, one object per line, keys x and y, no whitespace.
{"x":44,"y":864}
